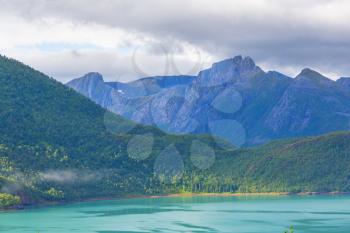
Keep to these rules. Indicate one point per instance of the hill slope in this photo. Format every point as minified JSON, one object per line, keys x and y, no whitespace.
{"x":55,"y":144}
{"x":313,"y":164}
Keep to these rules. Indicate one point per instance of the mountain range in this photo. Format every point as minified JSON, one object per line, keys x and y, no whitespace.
{"x":57,"y":145}
{"x":234,"y":99}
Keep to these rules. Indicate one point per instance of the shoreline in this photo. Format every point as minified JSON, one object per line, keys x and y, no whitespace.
{"x":216,"y":195}
{"x":238,"y":194}
{"x":185,"y":195}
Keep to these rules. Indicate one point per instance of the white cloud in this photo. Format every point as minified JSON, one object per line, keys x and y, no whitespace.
{"x":65,"y":50}
{"x":72,"y":176}
{"x":68,"y":38}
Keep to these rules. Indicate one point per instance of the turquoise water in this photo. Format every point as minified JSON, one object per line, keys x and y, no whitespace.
{"x":310,"y":214}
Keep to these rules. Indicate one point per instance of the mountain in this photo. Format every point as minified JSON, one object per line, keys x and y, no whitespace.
{"x":234,"y":99}
{"x":93,"y":86}
{"x":57,"y":145}
{"x":312,"y":104}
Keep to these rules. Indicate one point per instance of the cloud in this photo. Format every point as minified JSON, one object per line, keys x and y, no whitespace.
{"x":19,"y":180}
{"x":71,"y":176}
{"x":279,"y":34}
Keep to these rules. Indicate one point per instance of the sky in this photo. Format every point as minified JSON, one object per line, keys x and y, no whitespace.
{"x":128,"y":39}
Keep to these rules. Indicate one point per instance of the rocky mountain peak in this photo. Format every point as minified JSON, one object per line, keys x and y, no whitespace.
{"x":344,"y":82}
{"x":248,"y":64}
{"x":93,"y":76}
{"x":90,"y":85}
{"x":238,"y":62}
{"x":311,"y":77}
{"x":235,"y":69}
{"x":91,"y":79}
{"x":309,"y":72}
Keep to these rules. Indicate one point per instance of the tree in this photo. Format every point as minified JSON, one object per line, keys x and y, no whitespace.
{"x":8,"y":200}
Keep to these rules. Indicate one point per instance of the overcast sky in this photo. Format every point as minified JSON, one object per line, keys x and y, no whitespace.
{"x":127,"y":39}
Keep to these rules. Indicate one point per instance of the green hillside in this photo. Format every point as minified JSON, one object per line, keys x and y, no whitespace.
{"x":314,"y":164}
{"x":56,"y":145}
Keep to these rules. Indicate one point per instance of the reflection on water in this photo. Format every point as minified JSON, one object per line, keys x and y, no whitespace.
{"x":309,"y":214}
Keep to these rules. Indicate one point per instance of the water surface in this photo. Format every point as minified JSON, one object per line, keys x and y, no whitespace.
{"x":308,"y":214}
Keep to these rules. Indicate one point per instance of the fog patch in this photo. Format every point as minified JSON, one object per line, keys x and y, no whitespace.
{"x":71,"y":176}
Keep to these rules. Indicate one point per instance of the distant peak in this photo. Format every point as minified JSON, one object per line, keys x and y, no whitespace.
{"x":90,"y":78}
{"x":313,"y":76}
{"x":236,"y":69}
{"x":308,"y":71}
{"x":248,"y":61}
{"x":243,"y":64}
{"x":344,"y":81}
{"x":236,"y":59}
{"x":93,"y":76}
{"x":239,"y":60}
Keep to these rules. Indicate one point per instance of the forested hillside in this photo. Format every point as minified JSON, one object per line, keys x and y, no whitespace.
{"x":56,"y":144}
{"x":314,"y":164}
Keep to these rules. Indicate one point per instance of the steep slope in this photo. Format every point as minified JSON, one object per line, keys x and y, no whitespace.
{"x":243,"y":98}
{"x":55,"y":144}
{"x":92,"y":86}
{"x":252,"y":106}
{"x":311,"y":105}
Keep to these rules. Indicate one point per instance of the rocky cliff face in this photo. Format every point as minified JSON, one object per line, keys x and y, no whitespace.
{"x":311,"y":105}
{"x":234,"y":99}
{"x":233,"y":70}
{"x":92,"y":86}
{"x":344,"y":83}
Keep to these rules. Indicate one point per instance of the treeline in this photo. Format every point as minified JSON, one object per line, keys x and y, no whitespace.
{"x":319,"y":164}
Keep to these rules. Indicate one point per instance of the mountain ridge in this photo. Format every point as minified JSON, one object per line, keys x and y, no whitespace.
{"x":268,"y":110}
